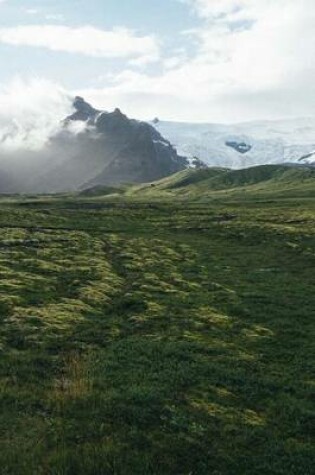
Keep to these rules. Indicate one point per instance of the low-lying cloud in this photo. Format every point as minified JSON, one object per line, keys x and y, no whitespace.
{"x":36,"y":144}
{"x":31,"y":113}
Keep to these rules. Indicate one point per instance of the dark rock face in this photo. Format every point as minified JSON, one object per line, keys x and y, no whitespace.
{"x":132,"y":151}
{"x":308,"y":159}
{"x":240,"y":147}
{"x":83,"y":110}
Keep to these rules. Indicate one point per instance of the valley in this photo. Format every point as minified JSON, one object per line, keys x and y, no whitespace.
{"x":157,"y":237}
{"x":160,"y":329}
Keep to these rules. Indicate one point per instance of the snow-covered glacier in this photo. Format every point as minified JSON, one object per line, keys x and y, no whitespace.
{"x":244,"y":144}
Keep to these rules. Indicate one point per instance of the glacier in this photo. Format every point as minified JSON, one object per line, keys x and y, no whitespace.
{"x":256,"y":143}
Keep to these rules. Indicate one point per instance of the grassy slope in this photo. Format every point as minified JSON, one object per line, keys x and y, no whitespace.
{"x":262,"y":180}
{"x":162,"y":337}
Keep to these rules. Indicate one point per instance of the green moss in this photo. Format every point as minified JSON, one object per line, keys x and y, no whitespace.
{"x":158,"y":337}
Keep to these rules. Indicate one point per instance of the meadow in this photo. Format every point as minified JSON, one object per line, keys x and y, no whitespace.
{"x":150,"y":332}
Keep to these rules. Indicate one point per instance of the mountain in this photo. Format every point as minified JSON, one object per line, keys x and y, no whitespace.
{"x":94,"y":148}
{"x":91,"y":148}
{"x":133,"y":151}
{"x":245,"y":144}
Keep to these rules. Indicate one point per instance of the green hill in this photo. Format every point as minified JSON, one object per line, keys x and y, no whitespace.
{"x":263,"y":179}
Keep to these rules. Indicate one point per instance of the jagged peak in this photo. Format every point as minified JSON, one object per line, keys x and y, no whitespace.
{"x":81,"y":105}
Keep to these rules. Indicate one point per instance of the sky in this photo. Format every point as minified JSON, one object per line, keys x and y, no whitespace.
{"x":184,"y":60}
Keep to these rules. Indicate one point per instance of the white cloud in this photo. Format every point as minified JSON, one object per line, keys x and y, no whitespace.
{"x":54,"y":17}
{"x":87,"y":40}
{"x":58,"y":17}
{"x":214,"y":8}
{"x":254,"y":60}
{"x":31,"y":113}
{"x":31,"y":11}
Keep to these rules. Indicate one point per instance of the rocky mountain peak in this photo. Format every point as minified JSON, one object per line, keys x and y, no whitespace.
{"x":83,"y":110}
{"x":123,"y":149}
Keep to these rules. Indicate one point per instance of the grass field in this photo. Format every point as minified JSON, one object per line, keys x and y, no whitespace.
{"x":158,"y":336}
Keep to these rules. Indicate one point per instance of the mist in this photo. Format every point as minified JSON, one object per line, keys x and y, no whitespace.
{"x":31,"y":113}
{"x":34,"y":139}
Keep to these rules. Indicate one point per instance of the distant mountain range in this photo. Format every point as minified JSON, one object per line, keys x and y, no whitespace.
{"x":246,"y":144}
{"x":95,"y":148}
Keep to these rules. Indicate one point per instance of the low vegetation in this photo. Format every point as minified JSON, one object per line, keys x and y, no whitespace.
{"x":164,"y":331}
{"x":275,"y":180}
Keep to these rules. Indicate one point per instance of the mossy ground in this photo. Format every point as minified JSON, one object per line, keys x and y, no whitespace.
{"x":157,"y":338}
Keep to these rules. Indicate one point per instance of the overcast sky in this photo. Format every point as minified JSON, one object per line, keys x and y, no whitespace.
{"x":192,"y":60}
